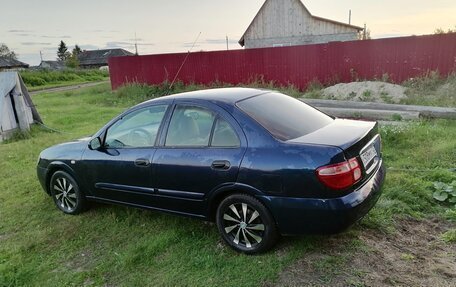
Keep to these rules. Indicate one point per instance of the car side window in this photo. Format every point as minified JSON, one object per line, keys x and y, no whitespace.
{"x":136,"y":129}
{"x":190,"y":126}
{"x":224,"y":135}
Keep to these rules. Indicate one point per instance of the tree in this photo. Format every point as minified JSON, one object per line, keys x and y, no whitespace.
{"x":365,"y":34}
{"x":442,"y":31}
{"x":77,"y":50}
{"x":6,"y":52}
{"x":62,"y":52}
{"x":73,"y":60}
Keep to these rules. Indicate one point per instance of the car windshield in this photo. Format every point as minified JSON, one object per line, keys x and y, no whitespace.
{"x":283,"y":116}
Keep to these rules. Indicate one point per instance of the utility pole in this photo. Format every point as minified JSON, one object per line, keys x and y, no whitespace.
{"x":41,"y":56}
{"x":349,"y":17}
{"x":365,"y":32}
{"x":136,"y":46}
{"x":227,"y":48}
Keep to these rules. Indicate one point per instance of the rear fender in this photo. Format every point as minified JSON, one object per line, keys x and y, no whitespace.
{"x":217,"y":195}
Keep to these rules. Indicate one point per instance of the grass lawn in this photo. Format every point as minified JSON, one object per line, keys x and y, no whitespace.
{"x":45,"y":79}
{"x":119,"y":246}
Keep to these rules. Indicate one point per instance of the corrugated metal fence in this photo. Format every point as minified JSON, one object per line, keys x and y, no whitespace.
{"x":400,"y":58}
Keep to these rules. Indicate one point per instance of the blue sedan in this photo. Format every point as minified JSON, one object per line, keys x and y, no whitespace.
{"x":257,"y":162}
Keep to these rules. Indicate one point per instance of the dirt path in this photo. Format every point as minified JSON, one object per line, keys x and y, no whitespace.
{"x":67,"y":88}
{"x":412,"y":256}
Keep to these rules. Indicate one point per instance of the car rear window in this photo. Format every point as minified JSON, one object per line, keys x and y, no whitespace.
{"x":283,"y":116}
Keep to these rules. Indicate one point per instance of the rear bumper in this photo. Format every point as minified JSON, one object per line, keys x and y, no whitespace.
{"x":296,"y":216}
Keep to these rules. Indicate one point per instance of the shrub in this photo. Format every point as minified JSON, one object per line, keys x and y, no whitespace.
{"x":445,"y":192}
{"x":39,"y":78}
{"x":34,"y":81}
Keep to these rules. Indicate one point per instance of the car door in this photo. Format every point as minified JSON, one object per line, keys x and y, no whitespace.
{"x":200,"y":152}
{"x":121,"y":169}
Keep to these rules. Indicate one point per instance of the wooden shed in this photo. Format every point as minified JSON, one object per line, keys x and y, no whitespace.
{"x":99,"y":58}
{"x":10,"y":64}
{"x":289,"y":23}
{"x":17,"y":111}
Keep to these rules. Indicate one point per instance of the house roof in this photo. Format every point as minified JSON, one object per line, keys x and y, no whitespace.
{"x":100,"y":57}
{"x":56,"y":65}
{"x":241,"y":41}
{"x":11,"y":63}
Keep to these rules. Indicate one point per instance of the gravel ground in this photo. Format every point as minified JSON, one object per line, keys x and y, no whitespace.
{"x":412,"y":256}
{"x":368,"y":91}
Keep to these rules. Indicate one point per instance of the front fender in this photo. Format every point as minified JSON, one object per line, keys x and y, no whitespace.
{"x":56,"y":166}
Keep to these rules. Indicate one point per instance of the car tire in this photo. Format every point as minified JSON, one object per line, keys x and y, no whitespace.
{"x":66,"y":193}
{"x":245,"y":224}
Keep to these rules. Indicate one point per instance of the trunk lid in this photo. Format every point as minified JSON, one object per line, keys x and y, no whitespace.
{"x":358,"y":139}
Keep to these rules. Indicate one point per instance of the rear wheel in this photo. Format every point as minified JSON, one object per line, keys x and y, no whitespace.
{"x":66,"y":193}
{"x":245,"y":224}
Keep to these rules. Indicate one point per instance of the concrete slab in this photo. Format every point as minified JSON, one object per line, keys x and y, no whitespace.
{"x":423,"y":111}
{"x":370,"y":114}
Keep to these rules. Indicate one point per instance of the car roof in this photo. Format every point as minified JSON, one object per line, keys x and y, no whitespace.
{"x":225,"y":95}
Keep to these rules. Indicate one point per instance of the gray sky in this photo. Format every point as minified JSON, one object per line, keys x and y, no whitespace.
{"x":164,"y":26}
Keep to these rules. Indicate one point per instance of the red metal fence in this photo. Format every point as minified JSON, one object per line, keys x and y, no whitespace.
{"x":400,"y":58}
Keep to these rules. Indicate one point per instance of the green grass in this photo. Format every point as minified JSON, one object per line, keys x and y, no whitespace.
{"x":450,"y":236}
{"x":431,"y":90}
{"x":134,"y":93}
{"x":119,"y":246}
{"x":43,"y":79}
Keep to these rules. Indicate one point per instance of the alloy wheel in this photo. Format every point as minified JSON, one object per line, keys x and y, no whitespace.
{"x":65,"y":194}
{"x":243,"y":225}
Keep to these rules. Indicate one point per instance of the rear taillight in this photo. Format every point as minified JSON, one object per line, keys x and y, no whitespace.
{"x":340,"y":176}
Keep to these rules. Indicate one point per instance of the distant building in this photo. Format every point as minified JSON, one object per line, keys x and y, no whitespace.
{"x":11,"y":64}
{"x":99,"y":58}
{"x":52,"y":65}
{"x":289,"y":23}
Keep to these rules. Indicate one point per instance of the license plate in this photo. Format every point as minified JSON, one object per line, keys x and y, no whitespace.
{"x":368,"y":155}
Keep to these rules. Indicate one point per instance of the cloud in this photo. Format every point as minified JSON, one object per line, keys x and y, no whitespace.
{"x":20,"y":31}
{"x":133,"y":39}
{"x":118,"y":44}
{"x":35,"y":44}
{"x":83,"y":47}
{"x":89,"y":47}
{"x":388,"y":35}
{"x":25,"y":35}
{"x":31,"y":59}
{"x":56,"y":37}
{"x":220,"y":41}
{"x":50,"y":48}
{"x":123,"y":44}
{"x":189,"y":45}
{"x":140,"y":42}
{"x":101,"y":31}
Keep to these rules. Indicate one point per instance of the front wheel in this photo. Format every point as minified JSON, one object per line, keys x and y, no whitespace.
{"x":245,"y":224}
{"x":66,"y":193}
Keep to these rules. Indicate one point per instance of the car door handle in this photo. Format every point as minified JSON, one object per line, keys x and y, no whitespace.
{"x":142,"y":162}
{"x":221,"y":164}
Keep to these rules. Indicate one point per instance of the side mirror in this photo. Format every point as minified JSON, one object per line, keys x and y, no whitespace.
{"x":95,"y":143}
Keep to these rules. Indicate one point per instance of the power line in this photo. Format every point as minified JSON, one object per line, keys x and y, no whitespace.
{"x":183,"y":63}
